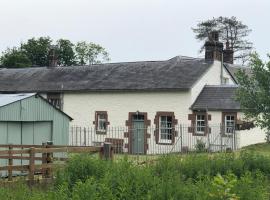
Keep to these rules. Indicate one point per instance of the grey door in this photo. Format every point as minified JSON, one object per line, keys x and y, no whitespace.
{"x":138,"y":134}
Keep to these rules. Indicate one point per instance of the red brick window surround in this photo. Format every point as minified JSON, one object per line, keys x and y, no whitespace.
{"x":101,"y":122}
{"x":165,"y":132}
{"x":199,"y":123}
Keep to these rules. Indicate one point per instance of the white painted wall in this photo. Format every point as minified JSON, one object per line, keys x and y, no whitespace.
{"x":228,"y":76}
{"x":211,"y":77}
{"x":82,"y":107}
{"x":244,"y":137}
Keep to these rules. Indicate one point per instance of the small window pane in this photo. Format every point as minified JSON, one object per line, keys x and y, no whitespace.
{"x":229,"y":123}
{"x":200,"y":123}
{"x":101,"y":122}
{"x":165,"y":127}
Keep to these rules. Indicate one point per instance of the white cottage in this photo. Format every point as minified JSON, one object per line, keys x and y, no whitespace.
{"x":178,"y":102}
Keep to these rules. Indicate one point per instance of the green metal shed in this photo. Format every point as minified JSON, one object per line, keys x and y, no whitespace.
{"x":31,"y":119}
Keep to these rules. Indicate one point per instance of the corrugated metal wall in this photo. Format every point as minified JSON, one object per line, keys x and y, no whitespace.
{"x":35,"y":109}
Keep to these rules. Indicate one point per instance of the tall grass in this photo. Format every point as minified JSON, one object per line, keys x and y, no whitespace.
{"x":196,"y":177}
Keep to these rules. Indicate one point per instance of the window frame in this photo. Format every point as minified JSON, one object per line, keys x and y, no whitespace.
{"x":192,"y":117}
{"x":97,"y":122}
{"x":224,"y":122}
{"x":226,"y":126}
{"x":167,"y":128}
{"x":157,"y":131}
{"x":202,"y":121}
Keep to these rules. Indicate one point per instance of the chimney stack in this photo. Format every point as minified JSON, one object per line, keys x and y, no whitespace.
{"x":228,"y":54}
{"x":53,"y":57}
{"x":213,"y":48}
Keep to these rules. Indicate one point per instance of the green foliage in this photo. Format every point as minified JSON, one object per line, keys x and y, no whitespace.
{"x":200,"y":146}
{"x":254,"y":92}
{"x":90,"y":53}
{"x":65,"y":53}
{"x":201,"y":177}
{"x":41,"y":51}
{"x":222,"y":187}
{"x":37,"y":50}
{"x":15,"y":58}
{"x":231,"y":30}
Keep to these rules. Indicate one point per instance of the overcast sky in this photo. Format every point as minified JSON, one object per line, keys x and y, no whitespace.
{"x":130,"y":30}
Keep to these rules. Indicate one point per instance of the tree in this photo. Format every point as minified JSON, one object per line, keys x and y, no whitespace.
{"x":43,"y":52}
{"x":65,"y":53}
{"x":15,"y":58}
{"x":231,"y":30}
{"x":37,"y":50}
{"x":90,"y":53}
{"x":254,"y":92}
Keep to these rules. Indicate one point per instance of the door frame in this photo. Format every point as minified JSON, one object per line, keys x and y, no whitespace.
{"x":129,"y":133}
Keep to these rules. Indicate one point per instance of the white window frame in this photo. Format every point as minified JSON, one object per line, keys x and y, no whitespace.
{"x":165,"y":128}
{"x":200,"y":121}
{"x":104,"y":120}
{"x":232,"y":127}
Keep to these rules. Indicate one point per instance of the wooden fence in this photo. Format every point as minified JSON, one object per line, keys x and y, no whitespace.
{"x":46,"y":157}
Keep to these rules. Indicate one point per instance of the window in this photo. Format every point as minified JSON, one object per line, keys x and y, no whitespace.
{"x":200,"y":124}
{"x":165,"y":128}
{"x":165,"y":132}
{"x":101,"y":122}
{"x":229,"y":123}
{"x":55,"y":100}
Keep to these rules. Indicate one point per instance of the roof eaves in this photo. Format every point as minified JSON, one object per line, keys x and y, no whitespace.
{"x":54,"y":106}
{"x":225,"y":66}
{"x":191,"y":107}
{"x":211,"y":65}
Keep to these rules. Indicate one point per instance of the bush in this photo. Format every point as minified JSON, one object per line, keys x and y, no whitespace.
{"x":201,"y":177}
{"x":200,"y":146}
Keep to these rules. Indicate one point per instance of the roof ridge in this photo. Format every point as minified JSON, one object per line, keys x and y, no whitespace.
{"x":221,"y":86}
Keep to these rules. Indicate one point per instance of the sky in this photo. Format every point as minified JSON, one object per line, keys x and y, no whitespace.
{"x":130,"y":30}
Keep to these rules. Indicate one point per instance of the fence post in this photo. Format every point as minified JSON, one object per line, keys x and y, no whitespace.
{"x":107,"y":151}
{"x":44,"y":160}
{"x":49,"y":159}
{"x":10,"y":163}
{"x":84,"y":131}
{"x":31,"y":165}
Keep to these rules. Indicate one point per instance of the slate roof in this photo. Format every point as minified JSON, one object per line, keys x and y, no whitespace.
{"x":178,"y":73}
{"x":233,"y":69}
{"x":216,"y":98}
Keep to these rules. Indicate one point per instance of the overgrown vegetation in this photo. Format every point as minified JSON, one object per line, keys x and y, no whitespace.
{"x":203,"y":177}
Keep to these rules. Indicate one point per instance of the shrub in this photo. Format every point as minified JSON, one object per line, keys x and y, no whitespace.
{"x":201,"y":177}
{"x":200,"y":146}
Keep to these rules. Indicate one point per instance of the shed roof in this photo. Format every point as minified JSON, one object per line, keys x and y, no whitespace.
{"x":177,"y":73}
{"x":6,"y":99}
{"x":216,"y":98}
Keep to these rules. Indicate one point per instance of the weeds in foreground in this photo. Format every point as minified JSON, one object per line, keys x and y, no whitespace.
{"x":199,"y":177}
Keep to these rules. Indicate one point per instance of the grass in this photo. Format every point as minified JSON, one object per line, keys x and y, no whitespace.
{"x":241,"y":175}
{"x":260,"y":148}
